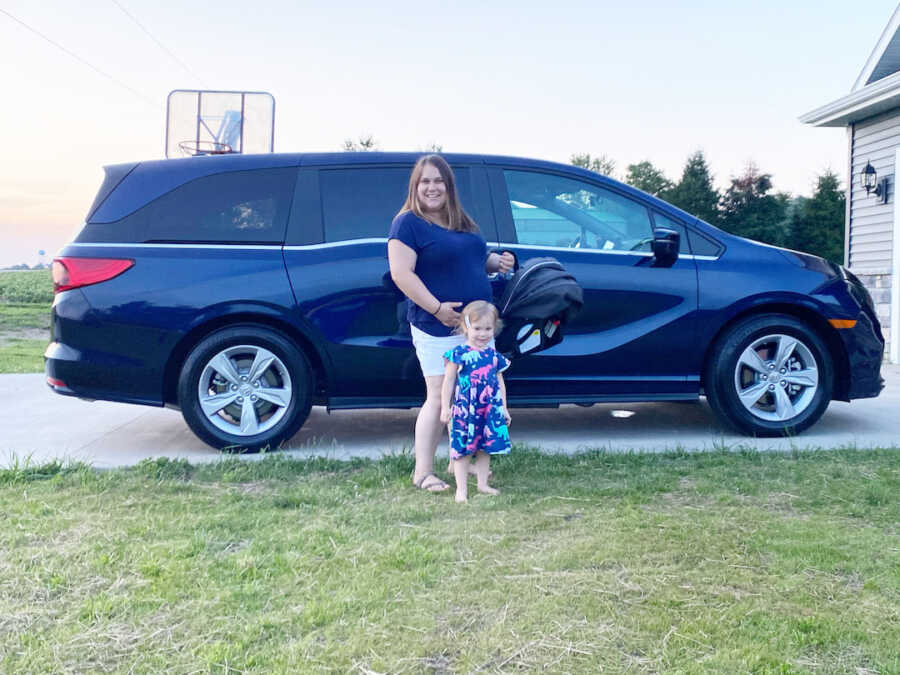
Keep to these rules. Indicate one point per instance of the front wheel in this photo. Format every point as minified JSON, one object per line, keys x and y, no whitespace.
{"x":245,"y":388}
{"x":769,"y":375}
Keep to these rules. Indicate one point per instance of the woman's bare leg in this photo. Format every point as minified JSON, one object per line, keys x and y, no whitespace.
{"x":483,"y":472}
{"x":429,"y":430}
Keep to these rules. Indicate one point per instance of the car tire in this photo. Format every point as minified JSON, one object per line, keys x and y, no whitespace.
{"x":245,"y":388}
{"x":769,"y":375}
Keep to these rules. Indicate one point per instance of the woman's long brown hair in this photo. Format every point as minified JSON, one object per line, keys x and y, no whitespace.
{"x":457,"y":219}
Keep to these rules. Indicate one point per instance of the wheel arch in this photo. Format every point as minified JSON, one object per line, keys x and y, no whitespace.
{"x":814,"y":319}
{"x":199,"y":332}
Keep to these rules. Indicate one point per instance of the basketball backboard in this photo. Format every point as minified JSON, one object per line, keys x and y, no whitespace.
{"x":202,"y":122}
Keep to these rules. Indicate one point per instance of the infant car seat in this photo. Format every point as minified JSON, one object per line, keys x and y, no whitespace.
{"x":536,"y":304}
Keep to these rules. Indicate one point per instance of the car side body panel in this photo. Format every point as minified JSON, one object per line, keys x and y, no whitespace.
{"x":127,"y":328}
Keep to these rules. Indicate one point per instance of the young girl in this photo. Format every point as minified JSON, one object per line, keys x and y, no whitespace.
{"x":473,"y":376}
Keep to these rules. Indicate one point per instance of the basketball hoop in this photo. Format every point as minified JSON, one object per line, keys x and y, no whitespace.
{"x":195,"y":148}
{"x":219,"y":122}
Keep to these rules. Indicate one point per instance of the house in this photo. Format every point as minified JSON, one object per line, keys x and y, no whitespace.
{"x":871,"y":115}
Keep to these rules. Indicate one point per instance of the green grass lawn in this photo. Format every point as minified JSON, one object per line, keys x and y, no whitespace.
{"x":712,"y":562}
{"x":25,"y":299}
{"x":22,"y":356}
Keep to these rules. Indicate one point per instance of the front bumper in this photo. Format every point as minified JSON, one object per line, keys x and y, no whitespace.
{"x":864,"y":344}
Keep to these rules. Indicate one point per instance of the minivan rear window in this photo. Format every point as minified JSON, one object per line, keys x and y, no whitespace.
{"x":238,"y":207}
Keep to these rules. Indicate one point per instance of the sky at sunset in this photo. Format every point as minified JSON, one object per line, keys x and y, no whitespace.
{"x":85,"y":85}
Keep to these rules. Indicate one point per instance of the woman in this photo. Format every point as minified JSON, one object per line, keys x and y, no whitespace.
{"x":439,"y":260}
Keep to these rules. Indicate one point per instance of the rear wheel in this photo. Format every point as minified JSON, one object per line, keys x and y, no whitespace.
{"x":769,"y":375}
{"x":245,"y":388}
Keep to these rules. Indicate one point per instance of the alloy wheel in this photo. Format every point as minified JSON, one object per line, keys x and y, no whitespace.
{"x":776,"y":377}
{"x":244,"y":390}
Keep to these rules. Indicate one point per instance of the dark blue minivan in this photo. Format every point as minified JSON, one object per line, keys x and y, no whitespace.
{"x":243,"y":289}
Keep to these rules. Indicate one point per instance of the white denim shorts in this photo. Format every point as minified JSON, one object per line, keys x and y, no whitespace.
{"x":431,"y":350}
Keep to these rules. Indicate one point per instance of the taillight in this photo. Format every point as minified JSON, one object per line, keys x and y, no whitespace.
{"x":71,"y":273}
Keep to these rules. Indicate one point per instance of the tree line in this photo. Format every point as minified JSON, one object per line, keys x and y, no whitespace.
{"x":749,"y":207}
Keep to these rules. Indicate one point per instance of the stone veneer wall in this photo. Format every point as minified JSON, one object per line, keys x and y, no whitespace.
{"x":879,"y":284}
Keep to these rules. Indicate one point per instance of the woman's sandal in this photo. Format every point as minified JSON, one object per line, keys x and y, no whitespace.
{"x":437,"y":485}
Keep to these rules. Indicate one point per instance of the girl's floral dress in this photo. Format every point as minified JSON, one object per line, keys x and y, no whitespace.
{"x":477,"y":422}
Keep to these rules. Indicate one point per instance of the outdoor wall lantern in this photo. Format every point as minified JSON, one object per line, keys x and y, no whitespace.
{"x":868,"y":178}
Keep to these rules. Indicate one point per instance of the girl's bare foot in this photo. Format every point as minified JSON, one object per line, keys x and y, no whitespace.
{"x":488,"y":490}
{"x":461,"y":498}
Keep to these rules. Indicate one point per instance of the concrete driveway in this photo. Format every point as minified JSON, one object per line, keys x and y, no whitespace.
{"x":39,"y":426}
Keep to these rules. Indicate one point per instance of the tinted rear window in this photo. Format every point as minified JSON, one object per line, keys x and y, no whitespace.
{"x":238,"y":207}
{"x":114,"y":176}
{"x":361,"y":203}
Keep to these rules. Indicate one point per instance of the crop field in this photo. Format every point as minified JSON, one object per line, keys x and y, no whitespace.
{"x":25,"y":299}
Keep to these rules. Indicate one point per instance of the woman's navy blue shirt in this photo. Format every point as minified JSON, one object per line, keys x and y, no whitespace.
{"x":450,"y":264}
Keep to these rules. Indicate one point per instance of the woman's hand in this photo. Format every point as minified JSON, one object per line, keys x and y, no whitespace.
{"x":500,"y":262}
{"x":445,"y":415}
{"x":506,"y":263}
{"x":506,"y":416}
{"x":448,"y":315}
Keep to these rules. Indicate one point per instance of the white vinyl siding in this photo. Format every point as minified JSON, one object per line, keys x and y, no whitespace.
{"x":871,"y":223}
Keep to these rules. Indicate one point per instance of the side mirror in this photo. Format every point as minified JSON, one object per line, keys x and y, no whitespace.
{"x":665,"y":246}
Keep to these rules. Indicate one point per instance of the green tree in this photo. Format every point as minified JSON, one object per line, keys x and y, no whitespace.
{"x":364,"y":144}
{"x":695,"y":193}
{"x":602,"y":164}
{"x":818,"y":225}
{"x":644,"y":176}
{"x":749,"y":211}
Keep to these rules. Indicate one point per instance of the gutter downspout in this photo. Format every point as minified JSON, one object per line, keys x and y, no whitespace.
{"x":851,"y":130}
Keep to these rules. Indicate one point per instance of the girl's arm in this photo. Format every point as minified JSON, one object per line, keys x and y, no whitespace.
{"x":402,"y":260}
{"x":502,"y":383}
{"x":450,"y":372}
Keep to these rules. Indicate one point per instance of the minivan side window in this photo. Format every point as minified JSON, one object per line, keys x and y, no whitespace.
{"x":550,"y":210}
{"x":702,"y":245}
{"x":237,"y":207}
{"x":360,"y":203}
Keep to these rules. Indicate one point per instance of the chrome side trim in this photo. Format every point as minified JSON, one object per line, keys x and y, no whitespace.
{"x":685,"y":256}
{"x":530,"y":247}
{"x":369,"y":240}
{"x":230,"y":247}
{"x":333,"y":244}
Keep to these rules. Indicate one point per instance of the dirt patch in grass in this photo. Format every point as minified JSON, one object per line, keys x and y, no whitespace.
{"x":7,"y":336}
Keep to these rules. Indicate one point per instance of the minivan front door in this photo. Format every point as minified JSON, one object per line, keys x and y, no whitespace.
{"x":635,"y":334}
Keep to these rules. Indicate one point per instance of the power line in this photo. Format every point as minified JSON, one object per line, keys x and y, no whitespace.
{"x":81,"y":60}
{"x":158,"y":43}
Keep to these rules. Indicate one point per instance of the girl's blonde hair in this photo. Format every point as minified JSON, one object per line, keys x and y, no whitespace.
{"x":479,"y":309}
{"x":457,"y":219}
